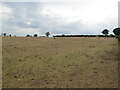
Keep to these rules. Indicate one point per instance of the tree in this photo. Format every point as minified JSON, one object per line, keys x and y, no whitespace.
{"x":116,"y":31}
{"x":4,"y":34}
{"x":35,"y":35}
{"x":28,"y":35}
{"x":47,"y":34}
{"x":106,"y":32}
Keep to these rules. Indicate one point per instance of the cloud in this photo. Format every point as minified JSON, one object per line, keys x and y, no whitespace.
{"x":84,"y":17}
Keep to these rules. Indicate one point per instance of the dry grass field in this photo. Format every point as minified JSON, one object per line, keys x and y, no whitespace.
{"x":40,"y":62}
{"x":0,"y":62}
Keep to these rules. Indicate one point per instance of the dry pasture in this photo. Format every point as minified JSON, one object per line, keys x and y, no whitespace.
{"x":40,"y":62}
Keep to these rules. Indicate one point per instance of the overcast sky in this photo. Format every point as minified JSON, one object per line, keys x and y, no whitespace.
{"x":70,"y":17}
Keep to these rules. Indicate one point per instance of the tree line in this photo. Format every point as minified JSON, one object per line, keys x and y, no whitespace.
{"x":84,"y":35}
{"x":35,"y":35}
{"x":116,"y":31}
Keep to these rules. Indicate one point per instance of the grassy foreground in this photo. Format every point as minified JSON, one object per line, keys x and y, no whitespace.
{"x":30,"y":62}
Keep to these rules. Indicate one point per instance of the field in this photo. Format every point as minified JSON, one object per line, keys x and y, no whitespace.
{"x":41,"y":62}
{"x":0,"y":62}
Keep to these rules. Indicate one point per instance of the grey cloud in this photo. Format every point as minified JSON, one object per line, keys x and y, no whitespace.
{"x":31,"y":12}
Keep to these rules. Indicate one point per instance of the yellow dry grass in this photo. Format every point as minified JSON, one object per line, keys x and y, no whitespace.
{"x":41,"y":62}
{"x":0,"y":62}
